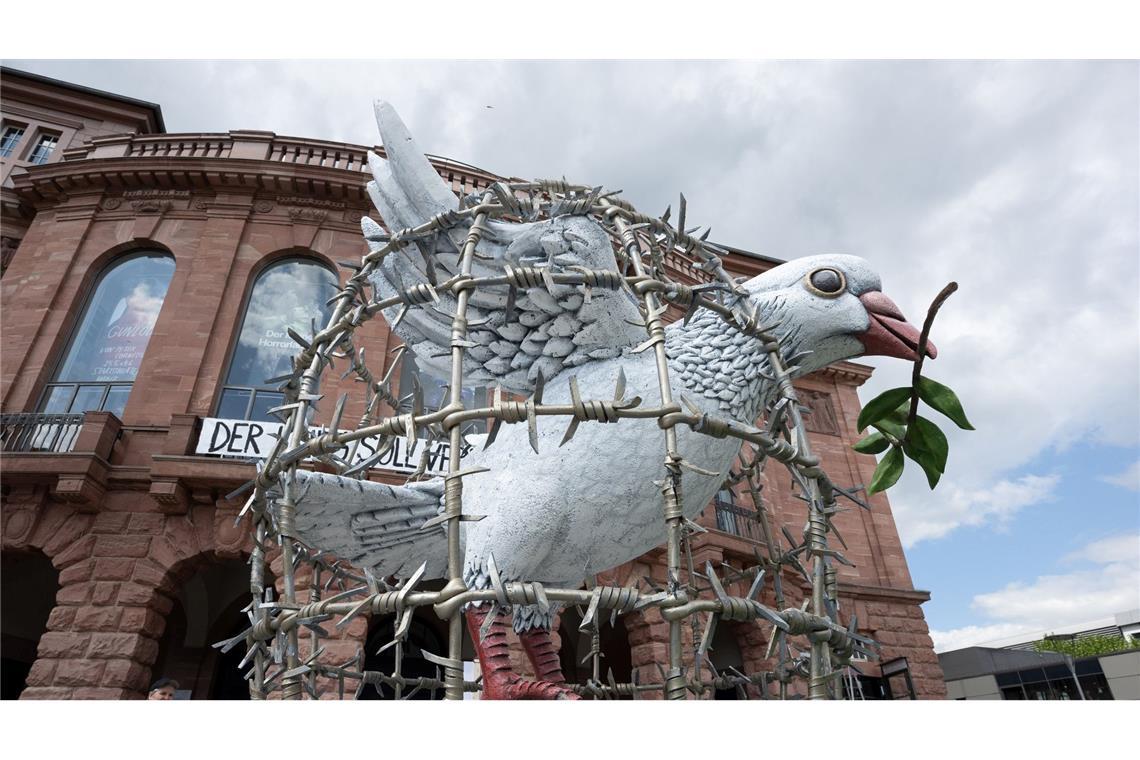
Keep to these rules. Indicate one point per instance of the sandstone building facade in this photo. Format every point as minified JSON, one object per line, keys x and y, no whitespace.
{"x":148,"y":279}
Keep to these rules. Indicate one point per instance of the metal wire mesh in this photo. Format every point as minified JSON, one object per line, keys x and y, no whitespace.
{"x":645,"y":249}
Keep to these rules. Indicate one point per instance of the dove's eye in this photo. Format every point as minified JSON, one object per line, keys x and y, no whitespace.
{"x":826,"y":282}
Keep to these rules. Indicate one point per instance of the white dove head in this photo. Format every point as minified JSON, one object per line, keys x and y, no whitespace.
{"x":833,"y":306}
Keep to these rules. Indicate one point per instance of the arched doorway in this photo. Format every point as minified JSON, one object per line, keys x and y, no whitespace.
{"x":613,"y":643}
{"x":206,"y":609}
{"x":425,"y":633}
{"x":724,"y":651}
{"x":28,"y":585}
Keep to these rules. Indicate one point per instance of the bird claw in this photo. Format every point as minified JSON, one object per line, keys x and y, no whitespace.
{"x":513,"y":686}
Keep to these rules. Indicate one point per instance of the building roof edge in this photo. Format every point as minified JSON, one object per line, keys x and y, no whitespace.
{"x":154,"y":108}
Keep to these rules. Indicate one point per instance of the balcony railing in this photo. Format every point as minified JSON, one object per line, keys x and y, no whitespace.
{"x":39,"y":432}
{"x":180,"y":146}
{"x":736,"y":520}
{"x":268,"y":147}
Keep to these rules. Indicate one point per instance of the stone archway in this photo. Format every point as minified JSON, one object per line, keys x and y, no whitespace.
{"x":425,"y":633}
{"x":206,"y":598}
{"x":30,"y":583}
{"x":613,"y":641}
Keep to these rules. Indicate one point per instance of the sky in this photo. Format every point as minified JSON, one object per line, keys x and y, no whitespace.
{"x":1017,"y":180}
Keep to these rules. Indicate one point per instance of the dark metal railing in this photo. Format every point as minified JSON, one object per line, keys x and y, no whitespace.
{"x":737,"y":520}
{"x":39,"y":432}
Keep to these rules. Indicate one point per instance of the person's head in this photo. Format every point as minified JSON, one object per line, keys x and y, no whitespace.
{"x":163,"y":688}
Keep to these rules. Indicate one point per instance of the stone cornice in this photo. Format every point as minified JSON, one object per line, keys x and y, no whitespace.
{"x":848,"y":373}
{"x":866,"y":592}
{"x":48,"y":184}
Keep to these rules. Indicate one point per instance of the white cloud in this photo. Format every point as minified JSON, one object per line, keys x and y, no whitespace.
{"x":973,"y":635}
{"x":1129,"y":478}
{"x":1053,"y":601}
{"x":1123,"y":549}
{"x":960,"y":506}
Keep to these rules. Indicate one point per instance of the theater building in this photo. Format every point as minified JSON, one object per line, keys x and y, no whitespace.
{"x":148,"y":282}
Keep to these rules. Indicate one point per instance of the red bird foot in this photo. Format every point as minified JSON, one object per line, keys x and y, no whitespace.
{"x":499,"y":679}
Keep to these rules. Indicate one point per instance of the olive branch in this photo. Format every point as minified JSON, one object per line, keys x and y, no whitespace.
{"x":899,"y":427}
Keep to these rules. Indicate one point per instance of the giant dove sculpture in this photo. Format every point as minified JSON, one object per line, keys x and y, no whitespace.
{"x":558,"y":511}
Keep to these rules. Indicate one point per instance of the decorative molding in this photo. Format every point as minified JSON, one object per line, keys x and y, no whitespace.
{"x":847,"y":372}
{"x":263,"y":206}
{"x":150,"y":194}
{"x":110,"y":204}
{"x":18,"y":524}
{"x":297,"y":200}
{"x":49,"y":184}
{"x":821,"y":417}
{"x":151,"y":206}
{"x":307,"y":215}
{"x":170,"y":495}
{"x":84,"y":491}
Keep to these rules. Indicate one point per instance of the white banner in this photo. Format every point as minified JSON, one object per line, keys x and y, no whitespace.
{"x":244,"y":438}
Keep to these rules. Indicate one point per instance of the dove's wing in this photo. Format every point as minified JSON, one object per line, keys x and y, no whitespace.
{"x":373,"y":525}
{"x":515,"y":334}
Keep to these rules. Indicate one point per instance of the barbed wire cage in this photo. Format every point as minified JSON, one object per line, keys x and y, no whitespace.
{"x":275,"y":662}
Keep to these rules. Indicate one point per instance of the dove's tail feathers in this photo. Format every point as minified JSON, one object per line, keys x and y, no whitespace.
{"x":373,"y":525}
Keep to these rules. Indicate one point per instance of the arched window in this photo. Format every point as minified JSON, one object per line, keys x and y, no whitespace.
{"x":106,"y":350}
{"x":288,"y":294}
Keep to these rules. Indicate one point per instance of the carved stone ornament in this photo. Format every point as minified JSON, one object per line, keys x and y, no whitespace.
{"x":307,"y":215}
{"x":110,"y":204}
{"x":821,"y":417}
{"x":151,"y":206}
{"x":297,"y":200}
{"x":263,"y":206}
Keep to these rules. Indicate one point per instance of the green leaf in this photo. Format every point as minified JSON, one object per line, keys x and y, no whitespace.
{"x":927,"y":445}
{"x":875,"y":443}
{"x":881,"y":406}
{"x":890,"y":427}
{"x":926,"y":461}
{"x":901,"y":413}
{"x":888,"y":471}
{"x":930,"y":438}
{"x":944,"y":400}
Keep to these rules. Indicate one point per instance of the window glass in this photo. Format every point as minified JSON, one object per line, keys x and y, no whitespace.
{"x":1008,"y":679}
{"x":290,"y":294}
{"x":1088,"y":666}
{"x":43,"y":149}
{"x":58,"y":399}
{"x":88,"y":399}
{"x":263,"y":402}
{"x":1064,"y":688}
{"x":1013,"y":692}
{"x":116,"y":400}
{"x":1095,"y":687}
{"x":11,"y":139}
{"x":108,"y":346}
{"x":234,"y":404}
{"x":116,"y":328}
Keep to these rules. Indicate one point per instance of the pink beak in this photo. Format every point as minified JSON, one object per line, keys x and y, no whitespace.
{"x":889,"y":334}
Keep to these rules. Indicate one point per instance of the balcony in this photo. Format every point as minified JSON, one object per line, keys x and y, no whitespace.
{"x":68,"y":453}
{"x":736,"y":520}
{"x":39,"y":432}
